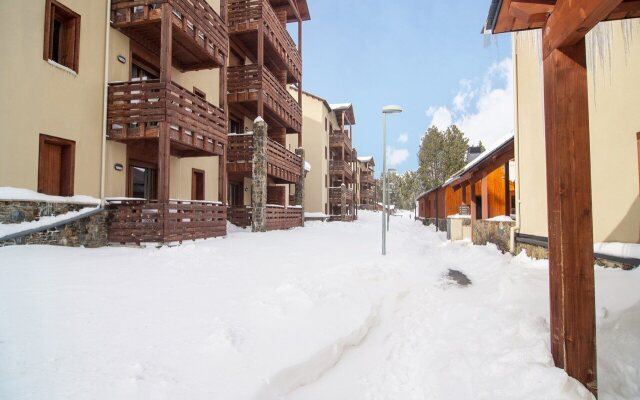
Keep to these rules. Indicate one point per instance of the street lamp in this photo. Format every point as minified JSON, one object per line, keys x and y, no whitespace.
{"x":391,"y":109}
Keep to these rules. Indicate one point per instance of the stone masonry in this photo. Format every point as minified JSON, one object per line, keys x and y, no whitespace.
{"x":14,"y":212}
{"x":496,"y":232}
{"x":259,"y":176}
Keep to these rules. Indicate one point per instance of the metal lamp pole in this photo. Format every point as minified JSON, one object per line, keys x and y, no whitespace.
{"x":385,"y":195}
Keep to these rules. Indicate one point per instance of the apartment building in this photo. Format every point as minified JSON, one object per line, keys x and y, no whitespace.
{"x":367,"y":183}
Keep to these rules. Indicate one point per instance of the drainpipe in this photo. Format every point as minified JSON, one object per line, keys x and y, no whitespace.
{"x":104,"y":103}
{"x":516,"y":143}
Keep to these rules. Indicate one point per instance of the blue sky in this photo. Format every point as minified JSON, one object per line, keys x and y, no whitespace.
{"x":427,"y":56}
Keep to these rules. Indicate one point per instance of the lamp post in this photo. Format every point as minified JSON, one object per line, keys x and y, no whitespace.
{"x":391,"y":109}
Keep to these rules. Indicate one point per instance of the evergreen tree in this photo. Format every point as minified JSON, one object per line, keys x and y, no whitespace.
{"x":482,"y":149}
{"x":441,"y":155}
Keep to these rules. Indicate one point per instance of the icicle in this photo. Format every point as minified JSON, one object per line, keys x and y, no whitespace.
{"x":628,"y":26}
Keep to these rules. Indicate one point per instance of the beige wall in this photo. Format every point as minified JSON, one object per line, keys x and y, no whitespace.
{"x":314,"y":140}
{"x":614,"y":95}
{"x":40,"y":98}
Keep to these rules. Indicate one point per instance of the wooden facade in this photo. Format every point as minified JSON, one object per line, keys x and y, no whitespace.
{"x":564,"y":25}
{"x":483,"y":185}
{"x":164,"y":119}
{"x":342,"y":157}
{"x":367,"y":183}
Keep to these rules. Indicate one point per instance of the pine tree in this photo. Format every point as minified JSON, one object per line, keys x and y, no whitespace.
{"x":441,"y":155}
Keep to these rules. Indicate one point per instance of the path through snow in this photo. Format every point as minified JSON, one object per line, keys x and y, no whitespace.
{"x":312,"y":313}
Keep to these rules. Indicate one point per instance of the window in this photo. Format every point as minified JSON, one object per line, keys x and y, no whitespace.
{"x":142,"y":180}
{"x":325,"y":124}
{"x":61,"y":35}
{"x":234,"y":126}
{"x":326,"y":181}
{"x":325,"y":153}
{"x":56,"y":165}
{"x":199,"y":93}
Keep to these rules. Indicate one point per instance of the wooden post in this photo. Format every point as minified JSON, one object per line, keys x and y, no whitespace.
{"x":507,"y":191}
{"x":472,"y":188}
{"x":260,"y":106}
{"x":463,"y":189}
{"x":164,"y":139}
{"x":485,"y":196}
{"x":571,"y":277}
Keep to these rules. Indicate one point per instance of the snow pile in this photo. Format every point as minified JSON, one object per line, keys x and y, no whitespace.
{"x":9,"y":229}
{"x":302,"y":314}
{"x":626,"y":250}
{"x":315,"y":215}
{"x":501,"y":218}
{"x":8,"y":193}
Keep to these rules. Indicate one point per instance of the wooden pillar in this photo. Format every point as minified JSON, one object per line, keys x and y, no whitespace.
{"x":571,"y":276}
{"x":164,"y":139}
{"x":507,"y":191}
{"x":222,"y":177}
{"x":485,"y":196}
{"x":463,"y":189}
{"x":260,"y":106}
{"x":474,"y":205}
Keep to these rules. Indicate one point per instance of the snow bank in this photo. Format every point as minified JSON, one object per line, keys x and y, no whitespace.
{"x":302,"y":314}
{"x":16,"y":194}
{"x":501,"y":218}
{"x":626,"y":250}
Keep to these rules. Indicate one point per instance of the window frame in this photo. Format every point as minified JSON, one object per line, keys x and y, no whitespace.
{"x":54,"y":10}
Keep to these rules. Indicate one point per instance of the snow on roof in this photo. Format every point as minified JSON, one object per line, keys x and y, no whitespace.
{"x":19,"y":194}
{"x":365,"y":158}
{"x":488,"y":152}
{"x":340,"y":106}
{"x":307,"y":166}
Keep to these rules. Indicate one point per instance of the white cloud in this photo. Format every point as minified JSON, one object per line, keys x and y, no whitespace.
{"x":483,"y":111}
{"x":396,"y":157}
{"x":403,"y":138}
{"x":440,"y":117}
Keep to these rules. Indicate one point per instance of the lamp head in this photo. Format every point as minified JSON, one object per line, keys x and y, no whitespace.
{"x":391,"y":109}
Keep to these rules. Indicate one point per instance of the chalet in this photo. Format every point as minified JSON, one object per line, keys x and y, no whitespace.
{"x":579,"y":173}
{"x":329,"y":151}
{"x":480,"y":197}
{"x":263,"y":60}
{"x":367,"y":185}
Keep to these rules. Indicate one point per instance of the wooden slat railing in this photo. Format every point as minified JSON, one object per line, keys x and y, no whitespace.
{"x":335,"y":195}
{"x":196,"y":18}
{"x":244,"y":83}
{"x":340,"y":138}
{"x":282,"y":163}
{"x":135,"y":110}
{"x":340,"y":167}
{"x":240,"y":215}
{"x":279,"y":218}
{"x":244,"y":15}
{"x":139,"y":221}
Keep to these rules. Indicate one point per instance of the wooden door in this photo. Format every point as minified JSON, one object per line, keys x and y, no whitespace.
{"x":56,"y":166}
{"x":197,"y":184}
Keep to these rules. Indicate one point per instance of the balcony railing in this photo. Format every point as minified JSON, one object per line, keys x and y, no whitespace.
{"x":367,"y":194}
{"x":135,"y":110}
{"x":335,"y":195}
{"x":278,"y":217}
{"x":240,"y":215}
{"x":246,"y":15}
{"x":340,"y":138}
{"x":366,"y":179}
{"x":140,"y":221}
{"x":339,"y":167}
{"x":244,"y":83}
{"x":281,"y":163}
{"x":200,"y":37}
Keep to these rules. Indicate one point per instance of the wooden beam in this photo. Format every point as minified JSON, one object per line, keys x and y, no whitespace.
{"x":294,"y":6}
{"x":531,"y":11}
{"x":485,"y":196}
{"x":164,"y":140}
{"x":507,"y":191}
{"x":571,"y":276}
{"x":474,"y":205}
{"x":571,"y":20}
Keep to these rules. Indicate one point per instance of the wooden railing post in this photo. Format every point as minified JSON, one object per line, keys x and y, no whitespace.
{"x":300,"y":183}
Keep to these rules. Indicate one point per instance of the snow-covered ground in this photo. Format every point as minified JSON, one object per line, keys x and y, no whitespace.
{"x":311,"y":313}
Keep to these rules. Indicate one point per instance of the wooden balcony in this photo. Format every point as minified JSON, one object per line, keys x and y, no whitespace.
{"x":281,"y":163}
{"x":281,"y":109}
{"x":200,"y":37}
{"x":135,"y":110}
{"x":141,"y":221}
{"x":335,"y":195}
{"x":245,"y":16}
{"x":366,"y":179}
{"x":341,"y":168}
{"x":341,"y":139}
{"x":278,"y":217}
{"x":367,"y":194}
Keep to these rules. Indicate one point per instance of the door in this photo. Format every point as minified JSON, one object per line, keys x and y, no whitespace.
{"x":197,"y":184}
{"x":143,"y":181}
{"x":56,"y":166}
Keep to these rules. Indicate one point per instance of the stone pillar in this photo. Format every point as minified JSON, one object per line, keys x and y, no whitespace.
{"x":259,"y":177}
{"x":343,"y":201}
{"x":300,"y":183}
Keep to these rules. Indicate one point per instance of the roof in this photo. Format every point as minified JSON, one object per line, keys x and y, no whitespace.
{"x":344,"y":108}
{"x":367,"y":159}
{"x":326,"y":103}
{"x":511,"y":16}
{"x":476,"y":163}
{"x":303,"y":9}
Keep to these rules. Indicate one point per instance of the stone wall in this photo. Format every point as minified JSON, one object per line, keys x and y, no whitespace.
{"x":14,"y":212}
{"x":496,"y":232}
{"x":89,"y":231}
